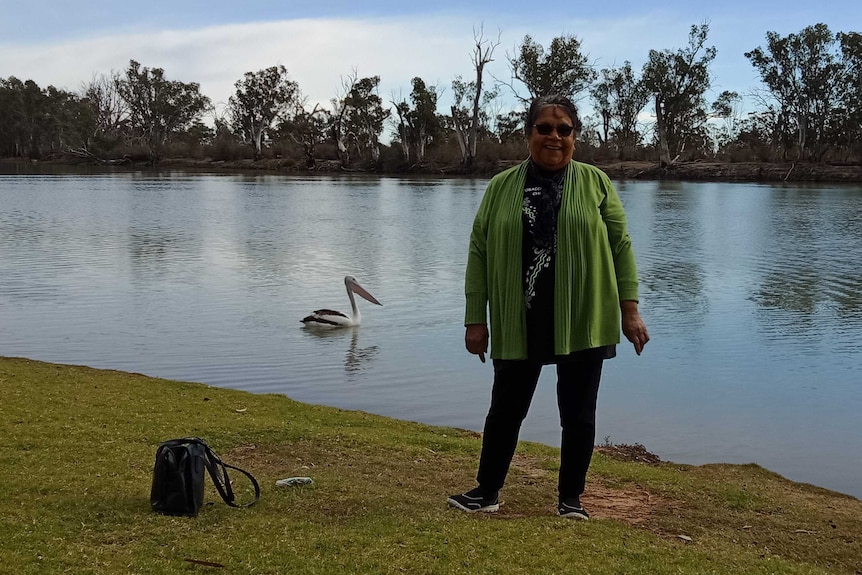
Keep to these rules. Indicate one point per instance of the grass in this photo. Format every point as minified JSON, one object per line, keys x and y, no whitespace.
{"x":79,"y":445}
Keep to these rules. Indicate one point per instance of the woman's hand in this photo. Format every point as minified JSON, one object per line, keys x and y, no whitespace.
{"x":634,"y":327}
{"x":476,"y":339}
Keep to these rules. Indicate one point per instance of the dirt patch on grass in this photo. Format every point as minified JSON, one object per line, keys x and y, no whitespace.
{"x":530,"y":489}
{"x":631,"y":505}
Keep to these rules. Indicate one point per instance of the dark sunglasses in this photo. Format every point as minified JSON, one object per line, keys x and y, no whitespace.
{"x":564,"y":130}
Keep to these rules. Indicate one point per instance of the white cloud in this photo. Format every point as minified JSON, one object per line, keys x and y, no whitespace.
{"x":316,"y":53}
{"x":319,"y":52}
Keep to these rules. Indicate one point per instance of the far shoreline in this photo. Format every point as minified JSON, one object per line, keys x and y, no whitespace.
{"x":754,"y":172}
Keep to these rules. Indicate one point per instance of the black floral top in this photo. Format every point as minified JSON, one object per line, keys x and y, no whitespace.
{"x":543,"y":194}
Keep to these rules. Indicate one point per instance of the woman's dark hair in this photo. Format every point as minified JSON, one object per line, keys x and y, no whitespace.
{"x":542,"y":102}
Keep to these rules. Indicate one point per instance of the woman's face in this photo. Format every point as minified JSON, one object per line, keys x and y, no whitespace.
{"x":553,"y":151}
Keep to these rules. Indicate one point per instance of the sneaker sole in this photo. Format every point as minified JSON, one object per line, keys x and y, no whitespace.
{"x":487,"y":509}
{"x":576,"y":516}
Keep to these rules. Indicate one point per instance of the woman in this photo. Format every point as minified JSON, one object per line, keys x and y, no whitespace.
{"x":551,"y":258}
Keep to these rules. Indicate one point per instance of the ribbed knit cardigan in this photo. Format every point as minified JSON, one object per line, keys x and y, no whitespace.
{"x":595,"y":263}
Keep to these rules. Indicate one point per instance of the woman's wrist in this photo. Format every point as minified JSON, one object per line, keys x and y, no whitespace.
{"x":629,"y":306}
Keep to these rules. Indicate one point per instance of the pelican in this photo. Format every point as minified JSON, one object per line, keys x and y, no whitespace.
{"x":332,"y":318}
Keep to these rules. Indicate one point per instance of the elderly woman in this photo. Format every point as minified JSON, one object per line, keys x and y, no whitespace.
{"x":551,"y":259}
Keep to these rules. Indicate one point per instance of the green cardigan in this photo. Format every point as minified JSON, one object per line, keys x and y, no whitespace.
{"x":595,"y":263}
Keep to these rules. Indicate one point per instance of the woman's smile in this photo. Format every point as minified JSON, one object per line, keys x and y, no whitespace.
{"x":551,"y":151}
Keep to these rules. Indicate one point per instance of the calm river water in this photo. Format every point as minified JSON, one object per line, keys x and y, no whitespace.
{"x":752,"y":294}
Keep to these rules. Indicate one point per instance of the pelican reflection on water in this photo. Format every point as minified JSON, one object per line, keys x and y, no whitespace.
{"x":332,"y":318}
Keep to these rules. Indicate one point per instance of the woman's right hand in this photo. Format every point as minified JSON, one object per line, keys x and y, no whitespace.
{"x":476,"y":339}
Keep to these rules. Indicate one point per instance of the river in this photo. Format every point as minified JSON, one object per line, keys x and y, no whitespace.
{"x":752,"y":294}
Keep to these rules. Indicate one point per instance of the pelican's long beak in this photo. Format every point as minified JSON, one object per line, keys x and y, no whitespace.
{"x":360,"y":291}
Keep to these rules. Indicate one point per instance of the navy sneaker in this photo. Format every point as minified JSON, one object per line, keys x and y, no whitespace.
{"x":475,"y":500}
{"x":571,"y":508}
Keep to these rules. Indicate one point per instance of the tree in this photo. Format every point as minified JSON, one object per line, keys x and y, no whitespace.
{"x":805,"y":79}
{"x":851,"y":90}
{"x":728,"y":107}
{"x":67,"y":120}
{"x":363,"y":117}
{"x":34,"y":121}
{"x":418,"y":122}
{"x":678,"y":81}
{"x":509,"y":127}
{"x":108,"y":107}
{"x":306,"y":128}
{"x":337,"y":119}
{"x":466,"y":120}
{"x":563,"y":70}
{"x":261,"y":98}
{"x":158,"y":107}
{"x":619,"y":98}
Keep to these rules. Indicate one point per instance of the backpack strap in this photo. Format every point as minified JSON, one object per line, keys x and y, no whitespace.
{"x":218,"y":471}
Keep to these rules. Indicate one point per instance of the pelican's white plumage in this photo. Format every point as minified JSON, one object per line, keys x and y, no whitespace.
{"x":332,"y":318}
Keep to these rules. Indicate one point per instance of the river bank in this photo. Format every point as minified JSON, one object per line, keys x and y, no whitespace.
{"x":685,"y":171}
{"x":681,"y":171}
{"x":80,"y":446}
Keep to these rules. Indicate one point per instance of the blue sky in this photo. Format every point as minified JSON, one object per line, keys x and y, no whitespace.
{"x":214,"y":43}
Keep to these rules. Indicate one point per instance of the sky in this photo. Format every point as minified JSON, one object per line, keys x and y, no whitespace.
{"x":66,"y":44}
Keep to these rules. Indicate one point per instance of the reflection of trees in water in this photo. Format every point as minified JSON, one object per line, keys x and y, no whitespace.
{"x":679,"y":288}
{"x":158,"y":254}
{"x":150,"y":246}
{"x":808,"y":272}
{"x":790,"y":290}
{"x":847,"y":293}
{"x":804,"y":288}
{"x":808,"y":286}
{"x":357,"y":358}
{"x":672,"y":267}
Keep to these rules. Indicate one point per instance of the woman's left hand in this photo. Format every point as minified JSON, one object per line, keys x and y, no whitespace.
{"x":634,"y":327}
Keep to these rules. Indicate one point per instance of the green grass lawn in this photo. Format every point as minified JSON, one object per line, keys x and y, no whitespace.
{"x":79,"y":444}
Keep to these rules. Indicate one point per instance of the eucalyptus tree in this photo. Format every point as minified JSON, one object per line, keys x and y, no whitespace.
{"x":471,"y":98}
{"x":619,"y":98}
{"x":35,"y":121}
{"x":159,"y":107}
{"x":851,"y":55}
{"x":562,"y":70}
{"x":727,"y":107}
{"x":401,"y":124}
{"x":470,"y":117}
{"x":418,"y":123}
{"x":509,"y":126}
{"x":363,"y":117}
{"x":68,"y":120}
{"x":305,"y":127}
{"x":261,"y":98}
{"x":109,"y":110}
{"x":18,"y":101}
{"x":336,"y":124}
{"x":678,"y":80}
{"x":805,"y":76}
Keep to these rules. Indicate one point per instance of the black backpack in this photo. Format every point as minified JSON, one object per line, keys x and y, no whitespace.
{"x":178,"y":477}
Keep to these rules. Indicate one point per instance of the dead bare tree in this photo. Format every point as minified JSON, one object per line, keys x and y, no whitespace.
{"x":339,"y":109}
{"x":466,"y":125}
{"x":109,"y":109}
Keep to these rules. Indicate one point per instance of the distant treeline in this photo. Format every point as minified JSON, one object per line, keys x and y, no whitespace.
{"x":809,"y":108}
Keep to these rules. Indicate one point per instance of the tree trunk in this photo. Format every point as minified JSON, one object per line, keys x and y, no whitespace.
{"x":405,"y":148}
{"x":257,"y":143}
{"x":663,"y":151}
{"x":309,"y":156}
{"x":420,"y":145}
{"x":460,"y":133}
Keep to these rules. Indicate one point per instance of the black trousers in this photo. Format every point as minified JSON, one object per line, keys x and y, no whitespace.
{"x":514,"y":384}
